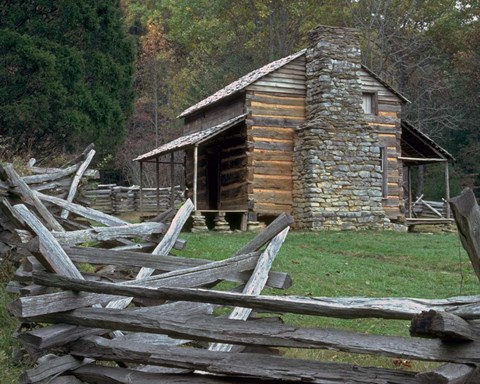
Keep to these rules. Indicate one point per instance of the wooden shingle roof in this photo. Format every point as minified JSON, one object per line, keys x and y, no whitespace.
{"x":241,"y":83}
{"x":250,"y":78}
{"x":417,"y":145}
{"x":191,"y":139}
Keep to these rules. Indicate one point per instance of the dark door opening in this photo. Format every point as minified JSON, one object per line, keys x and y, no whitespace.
{"x":213,"y":178}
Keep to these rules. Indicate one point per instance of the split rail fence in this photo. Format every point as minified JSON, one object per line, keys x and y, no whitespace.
{"x":140,"y":315}
{"x":115,"y":200}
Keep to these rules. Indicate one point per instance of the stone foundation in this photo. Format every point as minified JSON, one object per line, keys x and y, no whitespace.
{"x":337,"y":180}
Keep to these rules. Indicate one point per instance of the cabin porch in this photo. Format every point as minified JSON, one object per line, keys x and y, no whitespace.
{"x":419,"y":150}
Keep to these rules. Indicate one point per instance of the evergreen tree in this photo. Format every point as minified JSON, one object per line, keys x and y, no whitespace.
{"x":66,"y":72}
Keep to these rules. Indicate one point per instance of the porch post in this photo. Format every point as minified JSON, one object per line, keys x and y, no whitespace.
{"x":195,"y":171}
{"x":409,"y":176}
{"x":157,"y":178}
{"x":172,"y":180}
{"x":141,"y":188}
{"x":447,"y":189}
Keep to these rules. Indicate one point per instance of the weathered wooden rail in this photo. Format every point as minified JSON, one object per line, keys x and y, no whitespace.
{"x":152,"y":316}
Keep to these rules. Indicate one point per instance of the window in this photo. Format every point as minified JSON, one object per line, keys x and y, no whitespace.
{"x":369,"y":103}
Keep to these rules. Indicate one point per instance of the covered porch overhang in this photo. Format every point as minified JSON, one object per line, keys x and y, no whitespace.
{"x":418,"y":150}
{"x":185,"y":142}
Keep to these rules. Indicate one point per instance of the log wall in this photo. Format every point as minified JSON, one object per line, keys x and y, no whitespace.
{"x":114,"y":199}
{"x":229,"y":150}
{"x":275,"y":106}
{"x":214,"y":115}
{"x":386,"y":122}
{"x":258,"y":174}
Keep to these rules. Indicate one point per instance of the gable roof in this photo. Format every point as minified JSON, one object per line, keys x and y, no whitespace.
{"x":242,"y":83}
{"x":417,"y":145}
{"x":191,"y":139}
{"x":249,"y":78}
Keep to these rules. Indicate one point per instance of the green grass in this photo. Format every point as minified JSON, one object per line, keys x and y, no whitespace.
{"x":370,"y":264}
{"x":374,"y":264}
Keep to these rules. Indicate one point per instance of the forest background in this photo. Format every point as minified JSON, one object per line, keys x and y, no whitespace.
{"x":118,"y":72}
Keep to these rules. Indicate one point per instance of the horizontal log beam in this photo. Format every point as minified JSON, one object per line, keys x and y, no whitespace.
{"x":163,"y":263}
{"x":99,"y":374}
{"x":52,"y":367}
{"x":189,"y":277}
{"x":223,"y":330}
{"x":244,"y":364}
{"x":61,"y":334}
{"x":450,"y":374}
{"x":443,"y":325}
{"x":347,"y":307}
{"x":109,"y":233}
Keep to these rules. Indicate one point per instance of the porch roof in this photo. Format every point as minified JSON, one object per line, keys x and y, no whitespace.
{"x":191,"y":139}
{"x":418,"y":148}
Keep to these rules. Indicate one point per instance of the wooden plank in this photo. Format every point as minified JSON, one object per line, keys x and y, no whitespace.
{"x":88,"y":213}
{"x":61,"y":334}
{"x":277,"y":105}
{"x":275,"y":122}
{"x":65,"y":379}
{"x":208,"y":328}
{"x":51,"y":254}
{"x":268,"y":98}
{"x":444,"y":325}
{"x":51,"y":176}
{"x":280,"y":91}
{"x":52,"y":367}
{"x":188,"y":277}
{"x":108,"y":233}
{"x":76,"y":181}
{"x":286,"y":113}
{"x":281,"y":79}
{"x":273,"y":196}
{"x":467,"y":217}
{"x":270,"y":168}
{"x":31,"y":306}
{"x":97,"y":374}
{"x":450,"y":374}
{"x":266,"y":155}
{"x":255,"y":284}
{"x":243,"y":364}
{"x":346,"y":308}
{"x":9,"y":172}
{"x":294,"y":75}
{"x":272,"y":208}
{"x":279,"y":85}
{"x":163,"y":248}
{"x":273,"y":145}
{"x":284,"y":133}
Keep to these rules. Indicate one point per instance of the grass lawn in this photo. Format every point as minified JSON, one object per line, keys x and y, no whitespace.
{"x":375,"y":264}
{"x":371,"y":264}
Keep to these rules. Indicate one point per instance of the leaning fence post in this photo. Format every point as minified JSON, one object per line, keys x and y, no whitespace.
{"x":467,"y":217}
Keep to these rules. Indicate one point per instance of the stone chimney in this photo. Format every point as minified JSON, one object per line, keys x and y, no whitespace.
{"x":337,"y":183}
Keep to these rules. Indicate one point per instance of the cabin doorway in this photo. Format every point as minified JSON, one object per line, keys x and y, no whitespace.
{"x":213,"y":178}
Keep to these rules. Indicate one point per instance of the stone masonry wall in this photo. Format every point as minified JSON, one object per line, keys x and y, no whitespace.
{"x":337,"y":181}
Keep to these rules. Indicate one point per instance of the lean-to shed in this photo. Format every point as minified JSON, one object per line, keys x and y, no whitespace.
{"x":315,"y":134}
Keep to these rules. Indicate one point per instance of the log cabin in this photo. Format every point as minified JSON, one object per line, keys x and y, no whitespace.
{"x":315,"y":134}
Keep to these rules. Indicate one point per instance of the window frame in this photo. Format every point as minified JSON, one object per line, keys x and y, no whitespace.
{"x":373,"y":96}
